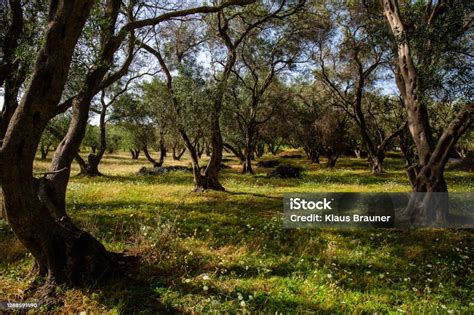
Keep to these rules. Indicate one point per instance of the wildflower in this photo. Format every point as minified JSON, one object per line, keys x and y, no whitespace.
{"x":187,"y":280}
{"x":242,"y":304}
{"x":205,"y":288}
{"x":205,"y":277}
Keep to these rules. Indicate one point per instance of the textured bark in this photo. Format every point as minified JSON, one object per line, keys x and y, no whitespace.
{"x":428,"y":174}
{"x":34,"y":207}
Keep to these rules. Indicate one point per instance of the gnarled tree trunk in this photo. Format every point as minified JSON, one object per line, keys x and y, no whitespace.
{"x":428,"y":174}
{"x":35,"y":208}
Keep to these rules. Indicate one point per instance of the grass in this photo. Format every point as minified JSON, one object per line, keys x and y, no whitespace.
{"x":226,"y":252}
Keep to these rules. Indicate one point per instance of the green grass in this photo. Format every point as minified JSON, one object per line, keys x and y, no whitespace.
{"x":226,"y":252}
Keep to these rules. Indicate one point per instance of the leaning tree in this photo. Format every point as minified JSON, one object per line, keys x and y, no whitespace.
{"x":433,"y":61}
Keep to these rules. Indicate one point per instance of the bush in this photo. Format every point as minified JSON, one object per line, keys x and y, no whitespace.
{"x":268,"y":164}
{"x":286,"y":171}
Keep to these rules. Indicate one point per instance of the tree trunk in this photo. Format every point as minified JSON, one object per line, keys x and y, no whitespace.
{"x":428,"y":174}
{"x":273,"y":148}
{"x":13,"y":73}
{"x":162,"y":151}
{"x":135,"y":153}
{"x":91,"y":169}
{"x":376,"y":162}
{"x":312,"y":154}
{"x":208,"y":149}
{"x":150,"y":159}
{"x":178,"y":154}
{"x":44,"y":152}
{"x":332,"y":159}
{"x":260,"y":150}
{"x":247,"y":165}
{"x":35,"y":208}
{"x":200,"y":149}
{"x":236,"y":151}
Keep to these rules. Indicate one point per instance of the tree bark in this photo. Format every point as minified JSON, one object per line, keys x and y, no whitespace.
{"x":431,"y":158}
{"x":35,"y":209}
{"x":428,"y":174}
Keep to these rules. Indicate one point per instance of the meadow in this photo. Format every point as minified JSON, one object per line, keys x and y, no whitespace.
{"x":226,"y":252}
